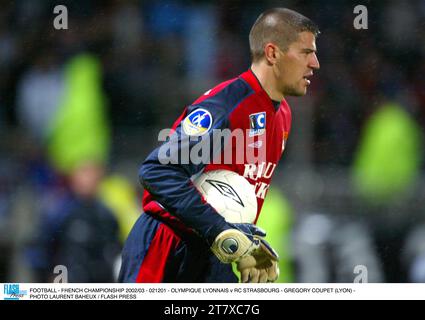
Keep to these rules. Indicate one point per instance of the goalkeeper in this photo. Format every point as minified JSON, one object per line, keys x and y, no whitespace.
{"x":181,"y":238}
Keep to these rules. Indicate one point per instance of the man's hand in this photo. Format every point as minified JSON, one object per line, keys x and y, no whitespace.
{"x":260,"y":266}
{"x":237,"y":242}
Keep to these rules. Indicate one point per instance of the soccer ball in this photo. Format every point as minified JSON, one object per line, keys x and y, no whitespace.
{"x":230,"y":194}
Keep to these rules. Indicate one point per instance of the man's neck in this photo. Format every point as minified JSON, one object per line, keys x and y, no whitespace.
{"x":266,"y":78}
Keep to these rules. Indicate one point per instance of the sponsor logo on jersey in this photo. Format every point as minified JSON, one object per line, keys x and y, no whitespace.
{"x":197,"y":123}
{"x":257,"y":124}
{"x":262,"y":170}
{"x":257,"y":172}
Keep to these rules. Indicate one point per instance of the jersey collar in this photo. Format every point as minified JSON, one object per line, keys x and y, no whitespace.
{"x":255,"y":84}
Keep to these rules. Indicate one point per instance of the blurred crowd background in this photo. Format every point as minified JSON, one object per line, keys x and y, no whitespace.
{"x":81,"y":108}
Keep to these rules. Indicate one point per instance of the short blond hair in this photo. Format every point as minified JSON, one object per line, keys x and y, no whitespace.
{"x":280,"y":26}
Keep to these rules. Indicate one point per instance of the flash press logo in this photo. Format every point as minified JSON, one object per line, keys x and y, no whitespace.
{"x":13,"y":292}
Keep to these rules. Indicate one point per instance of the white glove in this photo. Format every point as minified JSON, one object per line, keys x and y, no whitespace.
{"x":237,"y":242}
{"x":260,"y":266}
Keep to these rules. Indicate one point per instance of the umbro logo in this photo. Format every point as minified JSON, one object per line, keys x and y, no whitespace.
{"x":226,"y":190}
{"x":256,"y":144}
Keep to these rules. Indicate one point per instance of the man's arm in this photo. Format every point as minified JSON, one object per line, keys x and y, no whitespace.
{"x":170,"y":184}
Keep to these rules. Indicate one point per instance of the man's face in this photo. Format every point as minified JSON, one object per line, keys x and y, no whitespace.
{"x":297,"y":64}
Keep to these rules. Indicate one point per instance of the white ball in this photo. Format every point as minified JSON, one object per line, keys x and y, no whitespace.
{"x":230,"y":194}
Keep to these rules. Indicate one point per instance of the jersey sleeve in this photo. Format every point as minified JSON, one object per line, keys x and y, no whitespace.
{"x":167,"y":171}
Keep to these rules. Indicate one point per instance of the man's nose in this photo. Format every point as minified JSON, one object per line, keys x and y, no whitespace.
{"x":314,"y":62}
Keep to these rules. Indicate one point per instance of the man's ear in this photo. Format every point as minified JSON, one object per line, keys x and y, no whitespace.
{"x":271,"y":53}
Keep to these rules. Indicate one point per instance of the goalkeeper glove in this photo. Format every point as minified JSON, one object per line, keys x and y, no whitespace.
{"x":236,"y":242}
{"x":260,"y":266}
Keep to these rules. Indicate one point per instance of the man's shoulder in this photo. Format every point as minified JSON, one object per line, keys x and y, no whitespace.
{"x":228,"y":93}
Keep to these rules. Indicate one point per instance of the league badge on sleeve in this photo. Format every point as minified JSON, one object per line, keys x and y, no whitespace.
{"x":197,"y":122}
{"x":257,"y":124}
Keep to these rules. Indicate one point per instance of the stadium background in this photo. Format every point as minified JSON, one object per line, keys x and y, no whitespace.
{"x":349,"y":191}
